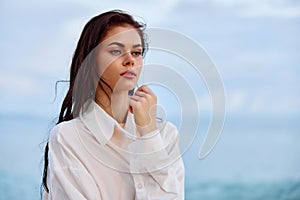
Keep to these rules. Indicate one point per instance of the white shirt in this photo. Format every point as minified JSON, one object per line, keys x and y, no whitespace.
{"x":85,"y":164}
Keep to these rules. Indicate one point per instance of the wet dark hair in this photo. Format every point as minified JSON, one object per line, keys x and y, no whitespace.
{"x":93,"y":32}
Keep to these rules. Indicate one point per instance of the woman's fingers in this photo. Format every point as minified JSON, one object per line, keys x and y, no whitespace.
{"x":141,"y":104}
{"x":147,"y":90}
{"x":142,"y":94}
{"x":142,"y":97}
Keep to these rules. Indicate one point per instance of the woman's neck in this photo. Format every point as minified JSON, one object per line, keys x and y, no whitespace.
{"x":115,"y":104}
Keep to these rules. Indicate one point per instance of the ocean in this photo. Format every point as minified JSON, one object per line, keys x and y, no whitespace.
{"x":249,"y":162}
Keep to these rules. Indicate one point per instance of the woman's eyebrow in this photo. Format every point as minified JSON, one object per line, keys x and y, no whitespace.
{"x":116,"y":43}
{"x":136,"y":45}
{"x":122,"y":45}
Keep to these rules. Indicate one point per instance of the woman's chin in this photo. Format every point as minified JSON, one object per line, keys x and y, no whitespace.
{"x":125,"y":85}
{"x":125,"y":88}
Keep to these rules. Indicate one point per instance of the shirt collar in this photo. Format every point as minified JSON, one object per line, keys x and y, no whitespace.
{"x":102,"y":124}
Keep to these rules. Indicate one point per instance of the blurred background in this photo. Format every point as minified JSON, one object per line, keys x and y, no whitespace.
{"x":254,"y":44}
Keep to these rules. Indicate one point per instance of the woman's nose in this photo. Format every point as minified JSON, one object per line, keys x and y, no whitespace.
{"x":128,"y":60}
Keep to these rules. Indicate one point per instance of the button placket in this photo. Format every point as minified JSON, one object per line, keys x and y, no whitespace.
{"x":139,"y":186}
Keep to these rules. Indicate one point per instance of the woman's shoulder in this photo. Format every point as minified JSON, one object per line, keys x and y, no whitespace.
{"x":63,"y":131}
{"x":64,"y":126}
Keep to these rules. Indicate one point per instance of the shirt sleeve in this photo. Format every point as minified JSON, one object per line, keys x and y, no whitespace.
{"x":156,"y":165}
{"x":67,"y":179}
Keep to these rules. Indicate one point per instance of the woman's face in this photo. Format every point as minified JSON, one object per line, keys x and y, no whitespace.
{"x":119,"y":57}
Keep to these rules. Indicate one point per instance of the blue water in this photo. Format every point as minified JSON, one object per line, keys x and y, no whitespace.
{"x":14,"y":187}
{"x":248,"y":162}
{"x":214,"y":190}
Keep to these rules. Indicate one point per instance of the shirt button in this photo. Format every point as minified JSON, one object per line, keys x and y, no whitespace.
{"x":139,"y":186}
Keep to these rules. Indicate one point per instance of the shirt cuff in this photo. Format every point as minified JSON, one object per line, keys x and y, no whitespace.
{"x":147,"y":144}
{"x":148,"y":153}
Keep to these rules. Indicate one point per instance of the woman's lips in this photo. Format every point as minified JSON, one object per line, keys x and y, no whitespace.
{"x":128,"y":74}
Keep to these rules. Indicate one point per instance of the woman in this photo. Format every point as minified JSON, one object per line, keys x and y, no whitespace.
{"x":108,"y":144}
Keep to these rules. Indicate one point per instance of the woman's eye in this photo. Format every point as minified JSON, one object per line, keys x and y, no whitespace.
{"x":116,"y":52}
{"x":136,"y":53}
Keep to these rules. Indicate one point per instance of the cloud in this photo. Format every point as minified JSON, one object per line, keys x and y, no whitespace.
{"x":253,"y":56}
{"x":146,"y":10}
{"x":259,"y":8}
{"x":236,"y":101}
{"x":271,"y":10}
{"x":12,"y":84}
{"x":261,"y":102}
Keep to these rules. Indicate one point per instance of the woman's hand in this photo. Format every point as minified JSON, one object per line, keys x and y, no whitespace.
{"x":143,"y":106}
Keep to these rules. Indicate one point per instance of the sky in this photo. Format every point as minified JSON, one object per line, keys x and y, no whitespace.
{"x":254,"y":44}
